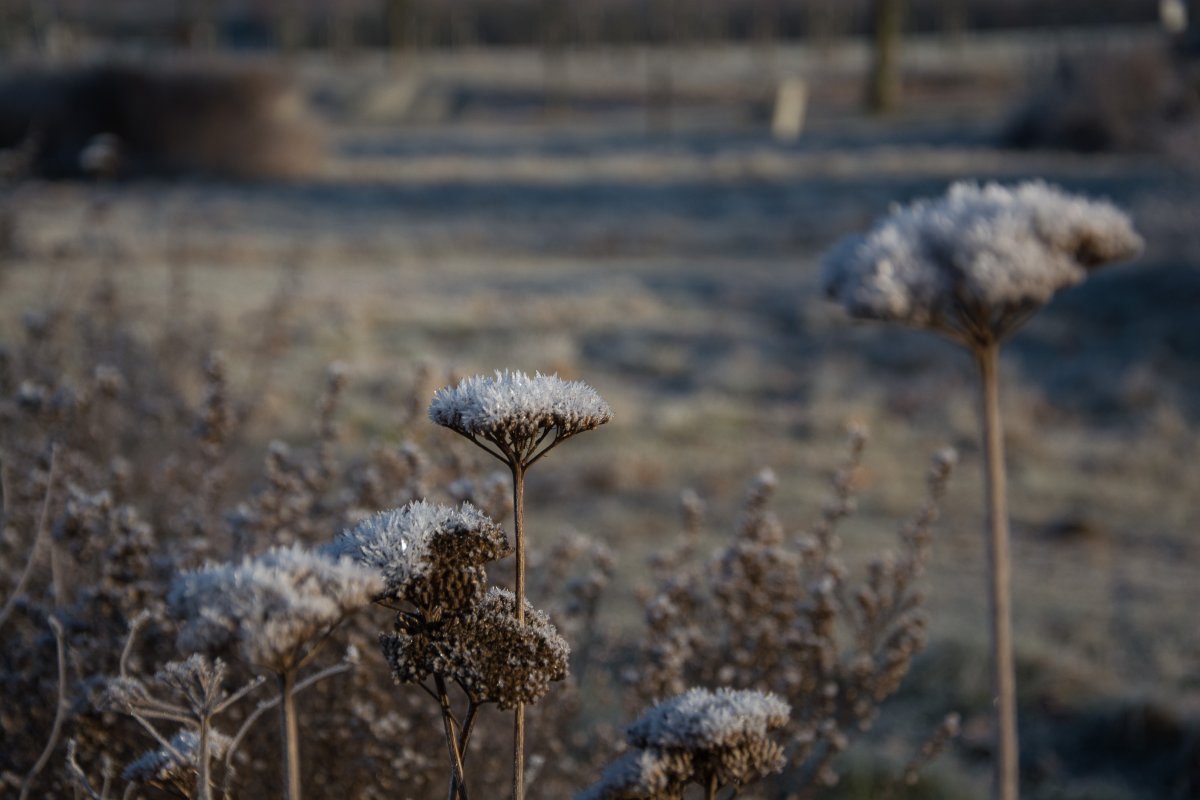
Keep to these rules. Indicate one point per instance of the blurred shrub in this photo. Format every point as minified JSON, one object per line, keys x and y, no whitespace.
{"x":1100,"y":102}
{"x":158,"y":119}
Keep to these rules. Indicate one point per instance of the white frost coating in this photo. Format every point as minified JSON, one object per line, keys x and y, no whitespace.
{"x":271,"y":605}
{"x":517,"y":408}
{"x":700,"y":719}
{"x":415,"y":541}
{"x":163,"y":765}
{"x":976,"y":252}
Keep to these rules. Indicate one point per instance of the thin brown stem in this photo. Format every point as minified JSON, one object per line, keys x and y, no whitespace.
{"x":458,"y":778}
{"x":60,"y":712}
{"x":710,"y":791}
{"x":265,"y":706}
{"x":289,"y":733}
{"x":518,"y":476}
{"x":203,"y":784}
{"x":468,"y":727}
{"x":39,"y":536}
{"x":1006,"y":777}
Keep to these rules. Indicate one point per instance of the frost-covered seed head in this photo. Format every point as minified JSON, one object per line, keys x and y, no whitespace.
{"x":700,"y":719}
{"x":270,"y":606}
{"x":514,"y":410}
{"x":430,"y":555}
{"x":642,"y":775}
{"x":975,"y":262}
{"x":694,"y":737}
{"x":493,"y":656}
{"x":176,"y":767}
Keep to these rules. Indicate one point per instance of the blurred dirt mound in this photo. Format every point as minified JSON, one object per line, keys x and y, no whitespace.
{"x":148,"y":118}
{"x":1106,"y":102}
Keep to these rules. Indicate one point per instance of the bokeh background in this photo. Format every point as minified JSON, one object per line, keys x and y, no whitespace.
{"x":637,"y":193}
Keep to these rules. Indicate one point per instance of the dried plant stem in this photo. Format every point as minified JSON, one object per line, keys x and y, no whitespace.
{"x":458,"y":778}
{"x":289,"y":734}
{"x":203,"y":783}
{"x":1006,"y":777}
{"x":710,"y":792}
{"x":518,"y":476}
{"x":59,"y":714}
{"x":39,"y":536}
{"x":265,"y":706}
{"x":464,"y":738}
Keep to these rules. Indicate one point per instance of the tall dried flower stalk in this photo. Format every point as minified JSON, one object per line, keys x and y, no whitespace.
{"x":518,"y":419}
{"x":974,"y":265}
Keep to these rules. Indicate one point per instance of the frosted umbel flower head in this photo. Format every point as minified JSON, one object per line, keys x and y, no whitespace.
{"x":978,"y":261}
{"x":518,"y":414}
{"x":272,"y":607}
{"x":174,"y":767}
{"x":711,"y":738}
{"x":430,"y":555}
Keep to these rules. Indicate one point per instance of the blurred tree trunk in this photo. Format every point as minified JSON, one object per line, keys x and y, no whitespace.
{"x":660,"y":89}
{"x":954,"y":18}
{"x":341,"y":29}
{"x":883,"y":82}
{"x":291,"y":27}
{"x":824,"y":21}
{"x":554,"y":35}
{"x":400,"y":23}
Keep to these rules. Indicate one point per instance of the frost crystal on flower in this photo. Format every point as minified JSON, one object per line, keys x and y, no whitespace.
{"x":700,"y":719}
{"x":515,"y":411}
{"x":977,"y":260}
{"x":271,"y":606}
{"x":175,"y":767}
{"x":486,"y":651}
{"x":430,"y":555}
{"x":642,"y":775}
{"x":697,"y":737}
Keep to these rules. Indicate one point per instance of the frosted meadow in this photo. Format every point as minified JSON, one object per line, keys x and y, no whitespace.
{"x":286,"y":515}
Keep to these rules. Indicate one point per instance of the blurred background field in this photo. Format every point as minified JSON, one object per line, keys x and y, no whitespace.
{"x":595,"y":190}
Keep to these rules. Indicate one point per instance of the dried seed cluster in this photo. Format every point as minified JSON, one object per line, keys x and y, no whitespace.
{"x":430,"y":555}
{"x":700,"y":736}
{"x":493,"y":657}
{"x":175,"y":768}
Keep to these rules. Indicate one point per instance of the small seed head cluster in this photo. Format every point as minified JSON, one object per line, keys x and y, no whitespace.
{"x":271,"y":606}
{"x":697,"y":737}
{"x":175,"y":768}
{"x":515,"y":411}
{"x":429,"y":555}
{"x":491,"y":655}
{"x":977,"y":261}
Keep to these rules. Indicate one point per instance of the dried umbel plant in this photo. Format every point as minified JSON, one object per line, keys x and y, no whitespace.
{"x":714,"y":739}
{"x":277,"y":609}
{"x":518,"y":419}
{"x":175,"y":765}
{"x":779,"y":612}
{"x":974,"y":265}
{"x":190,"y":693}
{"x":432,"y":559}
